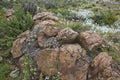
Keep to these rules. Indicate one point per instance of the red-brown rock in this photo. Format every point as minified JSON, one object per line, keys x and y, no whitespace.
{"x":17,"y":44}
{"x":101,"y":68}
{"x":90,"y":40}
{"x":67,"y":35}
{"x":70,"y":60}
{"x":47,"y":61}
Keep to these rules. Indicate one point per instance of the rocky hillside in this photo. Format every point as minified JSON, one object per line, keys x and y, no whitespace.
{"x":60,"y":40}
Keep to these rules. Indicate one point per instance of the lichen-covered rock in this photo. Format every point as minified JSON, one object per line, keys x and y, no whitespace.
{"x":17,"y":44}
{"x":90,"y":40}
{"x":67,"y":35}
{"x":30,"y":45}
{"x":101,"y":68}
{"x":51,"y":43}
{"x":45,"y":34}
{"x":70,"y":60}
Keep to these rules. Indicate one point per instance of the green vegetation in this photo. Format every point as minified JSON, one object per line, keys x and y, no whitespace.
{"x":4,"y":71}
{"x":77,"y":26}
{"x":105,"y":18}
{"x":11,"y":28}
{"x":29,"y":69}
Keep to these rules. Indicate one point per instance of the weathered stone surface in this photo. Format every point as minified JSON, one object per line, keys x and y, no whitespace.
{"x":52,"y":43}
{"x":50,"y":31}
{"x":42,"y":38}
{"x":46,"y":33}
{"x":30,"y":45}
{"x":101,"y":68}
{"x":70,"y":60}
{"x":67,"y":35}
{"x":90,"y":40}
{"x":1,"y":58}
{"x":47,"y":61}
{"x":45,"y":16}
{"x":17,"y":44}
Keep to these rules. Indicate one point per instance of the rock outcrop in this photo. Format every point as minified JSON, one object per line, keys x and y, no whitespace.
{"x":65,"y":52}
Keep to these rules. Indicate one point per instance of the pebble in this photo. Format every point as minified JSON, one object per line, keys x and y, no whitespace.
{"x":1,"y":58}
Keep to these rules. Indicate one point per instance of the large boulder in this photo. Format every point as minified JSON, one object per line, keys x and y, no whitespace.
{"x":67,"y":35}
{"x":47,"y":61}
{"x":70,"y":60}
{"x":101,"y":68}
{"x":90,"y":40}
{"x":73,"y":62}
{"x":17,"y":44}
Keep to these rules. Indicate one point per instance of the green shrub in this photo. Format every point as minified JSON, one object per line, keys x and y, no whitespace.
{"x":29,"y":71}
{"x":107,"y":18}
{"x":11,"y":28}
{"x":4,"y":71}
{"x":77,"y":26}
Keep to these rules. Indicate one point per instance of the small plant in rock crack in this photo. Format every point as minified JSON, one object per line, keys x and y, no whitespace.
{"x":29,"y":71}
{"x":41,"y":77}
{"x":57,"y":78}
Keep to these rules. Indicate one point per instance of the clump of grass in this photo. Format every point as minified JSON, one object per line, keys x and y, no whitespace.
{"x":77,"y":26}
{"x":105,"y":18}
{"x":29,"y":70}
{"x":4,"y":71}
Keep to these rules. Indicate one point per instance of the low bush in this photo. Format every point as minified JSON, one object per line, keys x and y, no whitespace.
{"x":11,"y":28}
{"x":4,"y":71}
{"x":106,"y":18}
